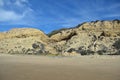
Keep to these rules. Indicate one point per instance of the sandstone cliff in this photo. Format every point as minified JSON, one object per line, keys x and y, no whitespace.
{"x":96,"y":37}
{"x":20,"y":40}
{"x":99,"y":37}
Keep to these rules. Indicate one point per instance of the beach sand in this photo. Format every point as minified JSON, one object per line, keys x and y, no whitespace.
{"x":29,"y":67}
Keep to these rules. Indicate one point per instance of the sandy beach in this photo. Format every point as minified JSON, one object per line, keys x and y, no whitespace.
{"x":29,"y":67}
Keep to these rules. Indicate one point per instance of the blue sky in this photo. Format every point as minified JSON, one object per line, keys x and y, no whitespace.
{"x":49,"y":15}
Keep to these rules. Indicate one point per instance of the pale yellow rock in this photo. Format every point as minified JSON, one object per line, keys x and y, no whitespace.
{"x":24,"y":33}
{"x":92,"y":36}
{"x":87,"y":38}
{"x":21,"y":38}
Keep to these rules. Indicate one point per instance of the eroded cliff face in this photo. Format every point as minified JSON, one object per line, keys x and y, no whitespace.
{"x":20,"y":41}
{"x":98,"y":37}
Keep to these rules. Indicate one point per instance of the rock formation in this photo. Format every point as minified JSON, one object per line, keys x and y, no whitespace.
{"x":96,"y":37}
{"x":20,"y":41}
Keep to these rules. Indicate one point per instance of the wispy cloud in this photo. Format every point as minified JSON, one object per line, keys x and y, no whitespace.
{"x":54,"y":14}
{"x":1,"y":3}
{"x":21,"y":3}
{"x":6,"y":15}
{"x":15,"y":11}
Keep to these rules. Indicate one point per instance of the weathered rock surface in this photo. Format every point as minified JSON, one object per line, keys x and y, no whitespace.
{"x":22,"y":33}
{"x":97,"y":37}
{"x":20,"y":40}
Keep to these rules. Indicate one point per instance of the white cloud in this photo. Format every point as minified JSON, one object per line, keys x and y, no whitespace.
{"x":14,"y":12}
{"x":1,"y":3}
{"x":21,"y":3}
{"x":18,"y":3}
{"x":9,"y":15}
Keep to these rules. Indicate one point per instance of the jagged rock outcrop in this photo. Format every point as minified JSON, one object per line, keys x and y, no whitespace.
{"x":96,"y":37}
